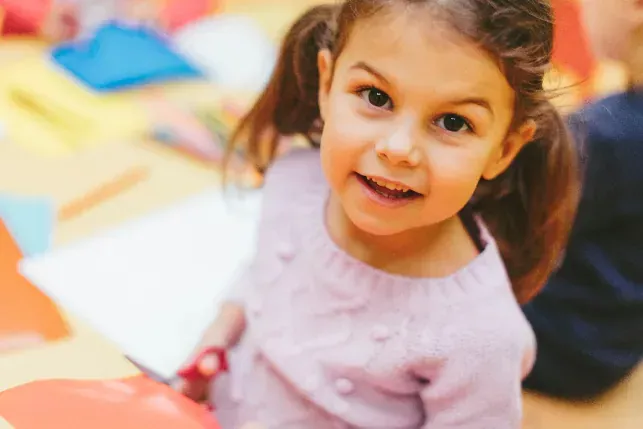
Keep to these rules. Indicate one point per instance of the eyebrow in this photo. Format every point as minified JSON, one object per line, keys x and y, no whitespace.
{"x":361,"y":65}
{"x":479,"y":101}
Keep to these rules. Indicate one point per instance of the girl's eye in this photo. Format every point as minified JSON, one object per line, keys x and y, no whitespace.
{"x":376,"y":98}
{"x":453,"y":123}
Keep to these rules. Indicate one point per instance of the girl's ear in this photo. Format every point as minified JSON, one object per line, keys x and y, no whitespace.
{"x":507,"y":152}
{"x":325,"y":68}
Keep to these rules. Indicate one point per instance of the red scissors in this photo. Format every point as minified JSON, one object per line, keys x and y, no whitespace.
{"x":192,"y":372}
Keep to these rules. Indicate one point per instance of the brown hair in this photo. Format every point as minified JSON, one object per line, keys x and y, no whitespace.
{"x":530,"y":207}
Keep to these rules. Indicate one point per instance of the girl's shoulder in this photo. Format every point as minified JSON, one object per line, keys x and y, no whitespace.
{"x":303,"y":164}
{"x":294,"y":172}
{"x":295,"y":178}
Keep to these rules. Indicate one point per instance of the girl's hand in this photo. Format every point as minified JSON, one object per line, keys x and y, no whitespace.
{"x":222,"y":334}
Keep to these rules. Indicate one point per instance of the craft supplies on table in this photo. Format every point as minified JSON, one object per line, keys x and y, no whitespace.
{"x":120,"y":56}
{"x":152,"y":285}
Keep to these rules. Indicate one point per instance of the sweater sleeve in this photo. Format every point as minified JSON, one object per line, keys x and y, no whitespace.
{"x":279,"y":187}
{"x":477,"y":389}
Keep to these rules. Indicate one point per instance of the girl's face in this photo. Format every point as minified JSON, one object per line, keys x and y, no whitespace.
{"x":414,"y":115}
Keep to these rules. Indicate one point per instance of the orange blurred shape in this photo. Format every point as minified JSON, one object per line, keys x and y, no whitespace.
{"x":572,"y":53}
{"x":133,"y":403}
{"x":27,"y":316}
{"x":24,"y":17}
{"x":178,"y":13}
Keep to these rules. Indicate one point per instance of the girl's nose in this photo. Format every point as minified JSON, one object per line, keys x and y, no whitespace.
{"x":399,"y":148}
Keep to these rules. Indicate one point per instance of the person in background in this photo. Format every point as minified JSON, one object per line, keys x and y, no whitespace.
{"x":437,"y":194}
{"x":588,"y":319}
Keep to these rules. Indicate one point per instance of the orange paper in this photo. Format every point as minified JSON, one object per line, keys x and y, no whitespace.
{"x":27,"y":316}
{"x":572,"y":53}
{"x":133,"y":403}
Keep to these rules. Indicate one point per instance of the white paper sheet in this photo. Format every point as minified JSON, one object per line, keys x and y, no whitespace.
{"x":231,"y":49}
{"x":153,"y":285}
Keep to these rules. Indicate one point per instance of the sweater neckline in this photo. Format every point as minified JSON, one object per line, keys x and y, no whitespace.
{"x":483,"y":273}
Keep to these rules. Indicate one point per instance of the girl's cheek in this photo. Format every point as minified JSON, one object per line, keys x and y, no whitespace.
{"x":351,"y":128}
{"x":453,"y":170}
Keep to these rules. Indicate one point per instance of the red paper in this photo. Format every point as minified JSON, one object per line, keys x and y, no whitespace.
{"x":133,"y":403}
{"x":178,"y":13}
{"x":24,"y":17}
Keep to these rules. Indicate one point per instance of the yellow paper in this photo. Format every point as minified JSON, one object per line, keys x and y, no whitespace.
{"x":48,"y":112}
{"x":85,"y":355}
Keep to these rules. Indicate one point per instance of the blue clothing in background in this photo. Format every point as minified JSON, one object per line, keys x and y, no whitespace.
{"x":589,"y":318}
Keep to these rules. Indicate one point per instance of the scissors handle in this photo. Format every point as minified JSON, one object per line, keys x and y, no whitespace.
{"x":192,"y":372}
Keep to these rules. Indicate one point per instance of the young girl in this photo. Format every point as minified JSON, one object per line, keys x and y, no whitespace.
{"x":379,"y":296}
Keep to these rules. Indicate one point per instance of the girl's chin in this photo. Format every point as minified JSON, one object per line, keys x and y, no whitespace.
{"x":374,"y":225}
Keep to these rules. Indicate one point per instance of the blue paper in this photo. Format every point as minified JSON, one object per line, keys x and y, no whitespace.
{"x":30,"y":221}
{"x":121,"y":56}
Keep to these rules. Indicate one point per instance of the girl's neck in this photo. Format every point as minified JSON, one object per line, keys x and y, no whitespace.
{"x":433,"y":251}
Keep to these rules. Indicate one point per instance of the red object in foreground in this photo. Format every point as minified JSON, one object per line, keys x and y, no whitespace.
{"x":191,"y":372}
{"x":24,"y":17}
{"x":131,"y":403}
{"x":178,"y":13}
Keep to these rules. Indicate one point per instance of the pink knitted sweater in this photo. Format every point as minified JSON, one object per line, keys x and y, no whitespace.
{"x":334,"y":343}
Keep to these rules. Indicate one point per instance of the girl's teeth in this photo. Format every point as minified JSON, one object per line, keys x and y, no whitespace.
{"x":390,"y":186}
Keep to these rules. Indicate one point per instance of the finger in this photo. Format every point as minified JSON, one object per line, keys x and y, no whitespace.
{"x":209,"y":365}
{"x":190,"y":389}
{"x":196,"y":390}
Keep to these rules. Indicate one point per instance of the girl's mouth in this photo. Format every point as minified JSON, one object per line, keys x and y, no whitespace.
{"x":388,"y":190}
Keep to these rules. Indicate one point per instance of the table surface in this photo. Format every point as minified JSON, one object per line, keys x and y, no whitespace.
{"x":87,"y":355}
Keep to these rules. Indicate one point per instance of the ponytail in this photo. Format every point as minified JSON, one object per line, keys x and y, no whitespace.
{"x":531,"y":207}
{"x":289,"y":104}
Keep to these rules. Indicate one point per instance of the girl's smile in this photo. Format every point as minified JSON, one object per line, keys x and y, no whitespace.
{"x":387,"y":193}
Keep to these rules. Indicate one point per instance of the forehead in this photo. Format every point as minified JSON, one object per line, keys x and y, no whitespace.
{"x":418,"y":51}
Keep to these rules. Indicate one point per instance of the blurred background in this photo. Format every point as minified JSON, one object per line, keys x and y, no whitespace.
{"x":89,"y":88}
{"x":112,"y":110}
